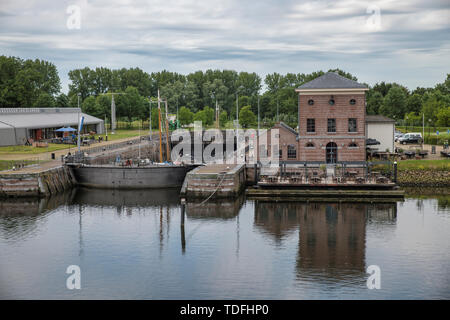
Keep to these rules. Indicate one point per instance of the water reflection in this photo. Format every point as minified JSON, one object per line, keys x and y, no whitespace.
{"x":126,"y":199}
{"x":331,"y":236}
{"x":21,"y":218}
{"x":221,"y":209}
{"x":146,"y":244}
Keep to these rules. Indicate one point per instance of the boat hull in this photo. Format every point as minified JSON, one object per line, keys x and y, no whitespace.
{"x":130,"y":177}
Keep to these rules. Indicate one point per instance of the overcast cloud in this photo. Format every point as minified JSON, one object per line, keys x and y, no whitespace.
{"x":410,"y":45}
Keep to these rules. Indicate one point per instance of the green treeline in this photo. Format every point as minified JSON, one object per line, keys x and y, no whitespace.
{"x":28,"y":83}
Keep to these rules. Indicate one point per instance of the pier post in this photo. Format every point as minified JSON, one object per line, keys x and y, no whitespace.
{"x":183,"y":237}
{"x":395,"y":171}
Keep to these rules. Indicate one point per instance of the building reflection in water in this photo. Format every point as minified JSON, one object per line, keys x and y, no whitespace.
{"x":331,"y":236}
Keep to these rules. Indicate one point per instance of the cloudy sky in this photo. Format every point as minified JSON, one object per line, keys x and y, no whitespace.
{"x":405,"y":41}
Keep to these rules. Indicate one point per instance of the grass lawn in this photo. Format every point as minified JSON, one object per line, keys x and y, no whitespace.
{"x":440,"y":165}
{"x":122,"y":134}
{"x":7,"y":164}
{"x":32,"y":150}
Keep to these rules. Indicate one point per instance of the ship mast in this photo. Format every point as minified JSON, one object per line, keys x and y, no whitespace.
{"x":167,"y":133}
{"x":160,"y":135}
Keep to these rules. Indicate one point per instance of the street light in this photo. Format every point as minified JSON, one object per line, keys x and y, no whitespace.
{"x":78,"y":129}
{"x":429,"y":128}
{"x":237,"y":106}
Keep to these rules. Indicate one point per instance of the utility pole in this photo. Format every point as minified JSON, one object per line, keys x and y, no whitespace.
{"x":160,"y":135}
{"x":139,"y":147}
{"x":79,"y":119}
{"x":258,"y":114}
{"x":278,"y":117}
{"x":167,"y":133}
{"x":217,"y":116}
{"x":150,"y":124}
{"x":106,"y":129}
{"x":113,"y":115}
{"x":237,"y":111}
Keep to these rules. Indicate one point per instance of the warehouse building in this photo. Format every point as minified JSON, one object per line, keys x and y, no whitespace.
{"x":19,"y":125}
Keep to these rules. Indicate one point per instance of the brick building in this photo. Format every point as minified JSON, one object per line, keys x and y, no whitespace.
{"x":332,"y":112}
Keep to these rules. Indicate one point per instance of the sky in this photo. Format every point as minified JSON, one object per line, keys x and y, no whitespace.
{"x":404,"y":41}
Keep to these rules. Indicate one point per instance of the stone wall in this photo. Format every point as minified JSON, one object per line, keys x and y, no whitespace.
{"x":423,"y":178}
{"x":216,"y":185}
{"x":43,"y":183}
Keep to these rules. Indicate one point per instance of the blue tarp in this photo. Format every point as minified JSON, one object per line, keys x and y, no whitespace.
{"x":65,"y":130}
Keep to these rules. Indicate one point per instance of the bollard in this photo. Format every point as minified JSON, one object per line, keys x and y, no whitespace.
{"x":395,"y":171}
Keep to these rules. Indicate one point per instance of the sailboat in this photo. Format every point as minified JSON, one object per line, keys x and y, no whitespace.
{"x":164,"y":174}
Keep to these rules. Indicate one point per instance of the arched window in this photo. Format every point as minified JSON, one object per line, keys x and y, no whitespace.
{"x":353,"y":145}
{"x":310,"y":102}
{"x":309,"y":145}
{"x":352,"y":102}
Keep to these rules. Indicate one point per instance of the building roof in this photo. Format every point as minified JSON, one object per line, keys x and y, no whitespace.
{"x":331,"y":80}
{"x":35,"y":118}
{"x":284,"y":125}
{"x":378,"y":118}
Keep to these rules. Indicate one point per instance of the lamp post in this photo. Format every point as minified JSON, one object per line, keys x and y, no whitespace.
{"x":429,"y":128}
{"x":406,"y":124}
{"x":79,"y":133}
{"x":150,"y":124}
{"x":237,"y":106}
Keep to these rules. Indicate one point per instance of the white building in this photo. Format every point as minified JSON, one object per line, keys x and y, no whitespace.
{"x":17,"y":125}
{"x":382,"y":129}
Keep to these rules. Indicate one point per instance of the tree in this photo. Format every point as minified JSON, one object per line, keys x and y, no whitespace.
{"x":62,"y":101}
{"x":374,"y":102}
{"x":394,"y":103}
{"x":414,"y":103}
{"x":223,"y":117}
{"x":201,"y":116}
{"x":134,"y":105}
{"x":413,"y":119}
{"x":44,"y":100}
{"x":185,"y":116}
{"x":431,"y":107}
{"x":90,"y":107}
{"x":210,"y":115}
{"x":443,"y":117}
{"x":246,"y":117}
{"x":214,"y":90}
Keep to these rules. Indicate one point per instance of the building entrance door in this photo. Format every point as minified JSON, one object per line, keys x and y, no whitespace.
{"x":331,"y":152}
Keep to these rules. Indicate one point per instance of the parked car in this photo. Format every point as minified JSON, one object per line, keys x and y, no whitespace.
{"x":410,"y":138}
{"x":398,"y":135}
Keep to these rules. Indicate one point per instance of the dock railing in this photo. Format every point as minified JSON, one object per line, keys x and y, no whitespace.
{"x":319,"y":172}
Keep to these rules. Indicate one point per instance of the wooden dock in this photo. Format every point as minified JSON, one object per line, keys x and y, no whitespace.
{"x":325,"y":195}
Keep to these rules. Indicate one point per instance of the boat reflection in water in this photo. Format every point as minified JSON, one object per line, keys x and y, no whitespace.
{"x":122,"y":198}
{"x":331,"y":236}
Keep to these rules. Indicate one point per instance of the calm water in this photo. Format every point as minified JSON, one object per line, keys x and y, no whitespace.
{"x":131,"y":245}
